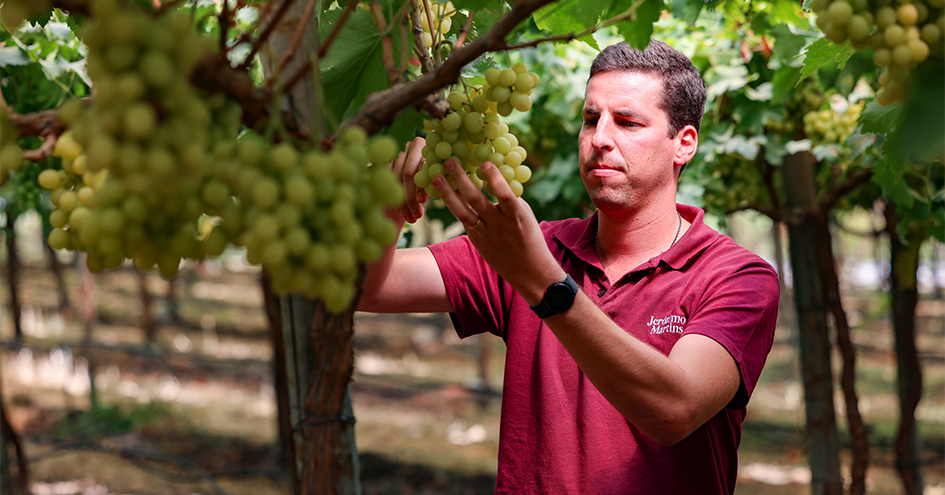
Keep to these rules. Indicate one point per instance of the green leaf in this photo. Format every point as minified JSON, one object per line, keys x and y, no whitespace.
{"x":687,"y":10}
{"x":786,"y":11}
{"x":476,"y":4}
{"x":11,"y":55}
{"x":784,"y":81}
{"x":354,"y":67}
{"x":568,"y":16}
{"x":822,"y":52}
{"x":639,"y":29}
{"x":921,"y":132}
{"x":893,"y":186}
{"x":787,"y":44}
{"x":879,"y":119}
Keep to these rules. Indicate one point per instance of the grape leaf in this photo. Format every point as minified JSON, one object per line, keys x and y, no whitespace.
{"x":638,"y":31}
{"x":783,"y":83}
{"x":688,"y":10}
{"x":568,"y":17}
{"x":787,"y":44}
{"x":354,"y":68}
{"x":475,"y":4}
{"x":892,"y":185}
{"x":822,"y":52}
{"x":921,"y":132}
{"x":879,"y":119}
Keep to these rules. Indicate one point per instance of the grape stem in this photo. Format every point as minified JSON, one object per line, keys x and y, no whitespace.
{"x":434,"y":29}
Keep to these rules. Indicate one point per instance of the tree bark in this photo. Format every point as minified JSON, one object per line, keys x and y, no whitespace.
{"x":859,"y":438}
{"x":806,"y":238}
{"x":904,"y":262}
{"x":13,"y":279}
{"x":87,"y":312}
{"x":56,"y":268}
{"x":9,"y":436}
{"x":148,"y":322}
{"x":319,"y":358}
{"x":284,"y":419}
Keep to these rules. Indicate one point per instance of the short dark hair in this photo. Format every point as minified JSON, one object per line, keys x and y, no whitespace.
{"x":683,"y":88}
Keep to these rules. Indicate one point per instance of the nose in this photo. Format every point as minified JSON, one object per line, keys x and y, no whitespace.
{"x":602,"y":139}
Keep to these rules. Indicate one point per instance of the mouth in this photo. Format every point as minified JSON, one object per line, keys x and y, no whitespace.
{"x":602,"y":170}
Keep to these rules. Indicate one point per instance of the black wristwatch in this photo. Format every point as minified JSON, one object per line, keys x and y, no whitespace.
{"x":559,"y":297}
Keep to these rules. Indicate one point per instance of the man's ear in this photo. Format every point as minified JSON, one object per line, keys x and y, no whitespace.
{"x":687,"y":141}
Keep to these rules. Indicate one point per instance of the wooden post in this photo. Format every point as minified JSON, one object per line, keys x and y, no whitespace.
{"x":805,"y":237}
{"x":319,"y":357}
{"x":904,"y":262}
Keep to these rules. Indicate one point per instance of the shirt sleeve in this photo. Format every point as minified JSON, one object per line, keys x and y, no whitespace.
{"x":475,"y":290}
{"x":739,"y":310}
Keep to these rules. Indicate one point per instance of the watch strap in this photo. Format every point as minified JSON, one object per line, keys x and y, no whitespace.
{"x":546,"y":307}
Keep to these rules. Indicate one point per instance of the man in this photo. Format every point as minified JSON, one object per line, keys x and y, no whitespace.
{"x":635,"y":336}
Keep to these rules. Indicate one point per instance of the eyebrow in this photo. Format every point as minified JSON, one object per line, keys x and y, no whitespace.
{"x":619,"y":113}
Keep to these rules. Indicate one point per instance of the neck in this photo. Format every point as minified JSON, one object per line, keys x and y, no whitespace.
{"x":629,"y":241}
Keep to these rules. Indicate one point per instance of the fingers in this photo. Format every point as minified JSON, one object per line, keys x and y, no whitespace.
{"x":460,"y":201}
{"x":405,"y":167}
{"x":500,"y":188}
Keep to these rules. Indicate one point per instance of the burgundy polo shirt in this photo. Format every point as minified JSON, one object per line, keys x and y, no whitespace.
{"x":558,"y":434}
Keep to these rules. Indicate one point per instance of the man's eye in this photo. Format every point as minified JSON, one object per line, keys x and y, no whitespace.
{"x":591,"y":121}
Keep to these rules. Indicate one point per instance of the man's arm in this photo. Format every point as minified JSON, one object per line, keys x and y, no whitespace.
{"x":666,"y":397}
{"x":405,"y":280}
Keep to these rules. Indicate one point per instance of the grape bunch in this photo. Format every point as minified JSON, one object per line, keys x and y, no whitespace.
{"x":473,"y":133}
{"x":139,"y":155}
{"x":440,"y":15}
{"x":11,"y":156}
{"x":806,"y":98}
{"x":734,"y":183}
{"x":901,"y":33}
{"x":311,"y":218}
{"x":831,"y":126}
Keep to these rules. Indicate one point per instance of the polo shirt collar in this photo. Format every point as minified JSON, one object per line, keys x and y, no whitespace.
{"x":579,"y":237}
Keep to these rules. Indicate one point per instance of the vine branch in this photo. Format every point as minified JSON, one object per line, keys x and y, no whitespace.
{"x":297,"y":37}
{"x":264,"y":36}
{"x":383,"y":106}
{"x":832,"y":195}
{"x":387,"y":43}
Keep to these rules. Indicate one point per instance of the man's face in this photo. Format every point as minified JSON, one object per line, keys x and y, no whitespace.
{"x":627,"y":157}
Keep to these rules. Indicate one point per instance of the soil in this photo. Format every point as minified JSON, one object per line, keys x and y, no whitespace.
{"x":194,"y":411}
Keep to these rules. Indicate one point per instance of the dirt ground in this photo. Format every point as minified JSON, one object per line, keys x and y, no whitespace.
{"x":195,"y":412}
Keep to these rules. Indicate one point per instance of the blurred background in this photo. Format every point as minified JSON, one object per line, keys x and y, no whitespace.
{"x":183,"y":378}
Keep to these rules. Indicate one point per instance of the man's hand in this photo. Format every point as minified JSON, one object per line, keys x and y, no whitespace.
{"x":506,"y":234}
{"x":407,"y":165}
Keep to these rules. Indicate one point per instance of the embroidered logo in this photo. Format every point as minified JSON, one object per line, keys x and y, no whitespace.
{"x":667,"y":324}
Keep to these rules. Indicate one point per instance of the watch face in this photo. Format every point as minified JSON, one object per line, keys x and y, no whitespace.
{"x":559,"y":297}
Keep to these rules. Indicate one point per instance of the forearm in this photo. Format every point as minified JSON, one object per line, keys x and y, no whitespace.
{"x":665,"y":400}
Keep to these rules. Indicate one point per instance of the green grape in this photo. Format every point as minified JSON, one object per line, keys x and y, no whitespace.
{"x":283,"y":157}
{"x":382,"y":150}
{"x":266,"y":192}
